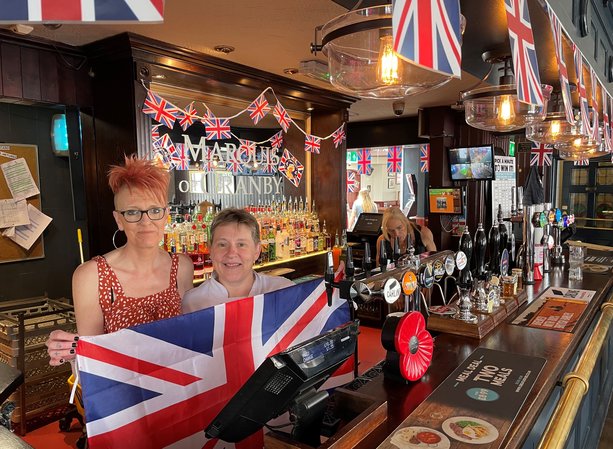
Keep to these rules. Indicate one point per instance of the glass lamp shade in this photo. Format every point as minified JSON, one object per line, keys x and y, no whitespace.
{"x":496,"y":108}
{"x":583,"y":144}
{"x":553,"y":130}
{"x":361,"y":61}
{"x":575,"y":155}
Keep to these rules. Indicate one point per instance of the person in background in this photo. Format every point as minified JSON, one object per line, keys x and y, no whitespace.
{"x":138,"y":282}
{"x":396,"y":224}
{"x":234,"y":248}
{"x":363,"y":203}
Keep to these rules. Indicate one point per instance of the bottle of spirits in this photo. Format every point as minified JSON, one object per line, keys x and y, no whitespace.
{"x":336,"y":250}
{"x":272,"y":245}
{"x":327,"y":238}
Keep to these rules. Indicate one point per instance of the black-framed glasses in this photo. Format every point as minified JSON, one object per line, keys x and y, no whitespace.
{"x":134,"y":216}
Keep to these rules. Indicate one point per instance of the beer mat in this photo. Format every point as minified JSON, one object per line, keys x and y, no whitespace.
{"x":596,"y":268}
{"x":474,"y":407}
{"x":557,"y":308}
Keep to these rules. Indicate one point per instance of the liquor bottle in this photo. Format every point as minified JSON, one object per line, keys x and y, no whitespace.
{"x":479,"y":247}
{"x":167,"y":233}
{"x":272,"y":245}
{"x":336,"y":250}
{"x":264,"y":246}
{"x":327,"y":238}
{"x":315,"y":236}
{"x":280,"y":244}
{"x":494,"y":249}
{"x":291,"y":241}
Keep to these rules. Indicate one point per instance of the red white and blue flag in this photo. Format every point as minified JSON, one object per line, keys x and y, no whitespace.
{"x":160,"y":384}
{"x":258,"y":108}
{"x":160,"y":110}
{"x":541,"y":154}
{"x":427,"y":32}
{"x":364,"y":161}
{"x":19,"y":11}
{"x":352,"y":182}
{"x":339,"y":136}
{"x":217,"y":128}
{"x":188,"y":116}
{"x":424,"y":158}
{"x":208,"y":165}
{"x":582,"y":162}
{"x":595,"y":107}
{"x":234,"y":163}
{"x":276,"y":141}
{"x":556,"y":30}
{"x":282,"y":116}
{"x":246,"y":148}
{"x":394,"y":159}
{"x":180,"y":157}
{"x":584,"y":106}
{"x":312,"y":144}
{"x":606,"y":121}
{"x":268,"y":164}
{"x":291,"y":168}
{"x":527,"y":76}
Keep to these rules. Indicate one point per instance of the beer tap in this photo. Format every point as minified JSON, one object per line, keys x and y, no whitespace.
{"x":349,"y":267}
{"x":494,"y":249}
{"x":382,"y":257}
{"x":547,"y":240}
{"x":466,"y":246}
{"x":329,"y":277}
{"x":479,"y":246}
{"x":502,"y":229}
{"x":396,"y":250}
{"x":367,"y":261}
{"x":557,"y":257}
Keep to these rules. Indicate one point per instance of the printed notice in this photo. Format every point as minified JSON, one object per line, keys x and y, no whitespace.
{"x":25,"y":236}
{"x":13,"y":213}
{"x":19,"y":179}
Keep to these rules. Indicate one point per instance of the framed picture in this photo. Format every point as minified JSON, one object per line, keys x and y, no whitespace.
{"x":391,"y":183}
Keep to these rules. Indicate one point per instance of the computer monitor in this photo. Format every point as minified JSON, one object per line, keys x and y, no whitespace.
{"x":472,"y":163}
{"x":277,"y":383}
{"x":368,"y":223}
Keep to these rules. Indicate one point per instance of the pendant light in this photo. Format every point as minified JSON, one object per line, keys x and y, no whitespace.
{"x":554,"y":130}
{"x":361,"y":60}
{"x":583,"y":145}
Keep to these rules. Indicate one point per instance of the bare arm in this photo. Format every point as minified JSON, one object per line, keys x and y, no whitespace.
{"x":376,"y":254}
{"x":428,"y":239}
{"x":88,"y":312}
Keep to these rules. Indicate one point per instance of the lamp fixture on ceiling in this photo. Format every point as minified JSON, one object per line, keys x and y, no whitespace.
{"x":361,"y":60}
{"x":582,"y":147}
{"x":496,"y":108}
{"x":554,"y":130}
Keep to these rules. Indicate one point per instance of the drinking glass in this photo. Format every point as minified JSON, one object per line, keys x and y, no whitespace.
{"x":576,"y":254}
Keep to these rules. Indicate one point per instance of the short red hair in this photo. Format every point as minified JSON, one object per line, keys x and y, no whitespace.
{"x":141,"y":174}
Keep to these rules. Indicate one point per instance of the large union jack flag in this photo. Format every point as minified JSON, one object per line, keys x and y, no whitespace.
{"x":258,"y":108}
{"x":217,"y":128}
{"x":188,"y":116}
{"x":394,"y":159}
{"x":424,"y":158}
{"x":427,"y":32}
{"x":160,"y":110}
{"x":312,"y":144}
{"x":584,"y":107}
{"x":541,"y":154}
{"x":364,"y":161}
{"x":160,"y":384}
{"x":556,"y":30}
{"x":339,"y":136}
{"x":282,"y":116}
{"x":527,"y":76}
{"x":82,"y":11}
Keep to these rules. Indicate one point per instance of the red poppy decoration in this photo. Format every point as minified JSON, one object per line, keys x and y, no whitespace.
{"x":414,"y":344}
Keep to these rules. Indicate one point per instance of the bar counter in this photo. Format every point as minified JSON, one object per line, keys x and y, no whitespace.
{"x":560,"y":349}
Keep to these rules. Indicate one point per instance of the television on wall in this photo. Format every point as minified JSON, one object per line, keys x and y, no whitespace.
{"x":445,"y":200}
{"x":472,"y":163}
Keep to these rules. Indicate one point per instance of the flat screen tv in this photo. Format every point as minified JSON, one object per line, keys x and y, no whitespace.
{"x":368,"y":223}
{"x":445,"y":200}
{"x":472,"y":163}
{"x":277,"y":383}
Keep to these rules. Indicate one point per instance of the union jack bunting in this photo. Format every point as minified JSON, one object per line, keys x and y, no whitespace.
{"x":258,"y":109}
{"x":583,"y":103}
{"x":82,"y":11}
{"x":268,"y":165}
{"x":207,"y":112}
{"x":424,"y":158}
{"x":188,"y":116}
{"x":556,"y":30}
{"x":352,"y":183}
{"x":180,"y":158}
{"x":217,"y":128}
{"x":276,"y":141}
{"x":207,"y":163}
{"x":606,"y":122}
{"x":339,"y":136}
{"x":160,"y":384}
{"x":160,"y":110}
{"x":234,"y":163}
{"x":364,"y":161}
{"x":595,"y":122}
{"x":524,"y":55}
{"x":282,"y":116}
{"x":155,"y":133}
{"x":582,"y":162}
{"x":291,"y":168}
{"x":541,"y":154}
{"x":427,"y":32}
{"x":247,"y":147}
{"x":312,"y":144}
{"x":394,"y":159}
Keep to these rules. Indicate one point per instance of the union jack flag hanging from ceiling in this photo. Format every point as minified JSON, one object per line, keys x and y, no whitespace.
{"x":312,"y":144}
{"x":291,"y":168}
{"x":584,"y":107}
{"x":160,"y":384}
{"x":541,"y":154}
{"x":247,"y":147}
{"x":556,"y":30}
{"x":427,"y":32}
{"x":606,"y":122}
{"x":364,"y":161}
{"x":217,"y":128}
{"x":339,"y":136}
{"x":527,"y":76}
{"x":188,"y":116}
{"x":234,"y":163}
{"x":282,"y":116}
{"x":595,"y":107}
{"x":82,"y":11}
{"x":268,"y":164}
{"x":258,"y":109}
{"x":160,"y":110}
{"x":582,"y":162}
{"x":276,"y":141}
{"x":394,"y":159}
{"x":180,"y":157}
{"x":352,"y":181}
{"x":424,"y":158}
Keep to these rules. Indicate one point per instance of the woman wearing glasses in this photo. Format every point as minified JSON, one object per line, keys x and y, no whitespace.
{"x":138,"y":282}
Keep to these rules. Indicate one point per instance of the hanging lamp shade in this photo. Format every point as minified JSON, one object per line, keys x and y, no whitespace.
{"x":361,"y":60}
{"x":496,"y":108}
{"x":584,"y":145}
{"x":554,"y":130}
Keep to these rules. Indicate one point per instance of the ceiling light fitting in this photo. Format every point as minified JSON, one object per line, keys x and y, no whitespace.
{"x":554,"y":130}
{"x":225,"y":49}
{"x":361,"y":60}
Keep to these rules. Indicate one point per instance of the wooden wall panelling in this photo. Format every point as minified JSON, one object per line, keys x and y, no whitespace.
{"x":49,"y":88}
{"x":30,"y":74}
{"x":11,"y":70}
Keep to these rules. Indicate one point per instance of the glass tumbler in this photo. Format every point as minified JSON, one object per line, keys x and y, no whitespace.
{"x":576,"y":254}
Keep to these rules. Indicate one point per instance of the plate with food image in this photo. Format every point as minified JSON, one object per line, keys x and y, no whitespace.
{"x":417,"y":437}
{"x":470,"y":430}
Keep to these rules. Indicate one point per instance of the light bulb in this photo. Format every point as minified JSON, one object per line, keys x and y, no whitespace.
{"x":555,"y":128}
{"x":577,"y":142}
{"x":389,"y":67}
{"x":506,"y":112}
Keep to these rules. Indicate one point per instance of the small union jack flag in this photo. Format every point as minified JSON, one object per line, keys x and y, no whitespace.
{"x":207,"y":112}
{"x":291,"y":168}
{"x":155,"y":133}
{"x":339,"y":136}
{"x":428,"y":33}
{"x":268,"y":164}
{"x":527,"y":77}
{"x":312,"y":144}
{"x":234,"y":164}
{"x":595,"y":128}
{"x":282,"y":116}
{"x":582,"y":162}
{"x":556,"y":30}
{"x":394,"y":159}
{"x":424,"y":158}
{"x":258,"y":108}
{"x":541,"y":154}
{"x":584,"y":106}
{"x":364,"y":161}
{"x":188,"y":116}
{"x":180,"y":157}
{"x":207,"y":161}
{"x":160,"y":110}
{"x":217,"y":128}
{"x":352,"y":182}
{"x":606,"y":122}
{"x":246,"y":148}
{"x":276,"y":141}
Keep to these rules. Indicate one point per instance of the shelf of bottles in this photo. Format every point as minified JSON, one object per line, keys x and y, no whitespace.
{"x":289,"y":230}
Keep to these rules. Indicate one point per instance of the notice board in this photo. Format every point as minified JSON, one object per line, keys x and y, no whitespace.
{"x":9,"y":250}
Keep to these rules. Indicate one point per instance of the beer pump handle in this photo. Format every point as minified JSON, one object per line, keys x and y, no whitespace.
{"x":329,"y":277}
{"x":367,"y":261}
{"x":396,"y":249}
{"x":349,"y":267}
{"x":382,"y":257}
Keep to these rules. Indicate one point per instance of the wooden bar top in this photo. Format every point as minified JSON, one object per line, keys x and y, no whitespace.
{"x":450,"y":351}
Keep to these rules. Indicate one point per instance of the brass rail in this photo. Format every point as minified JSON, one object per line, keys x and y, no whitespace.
{"x":576,"y":384}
